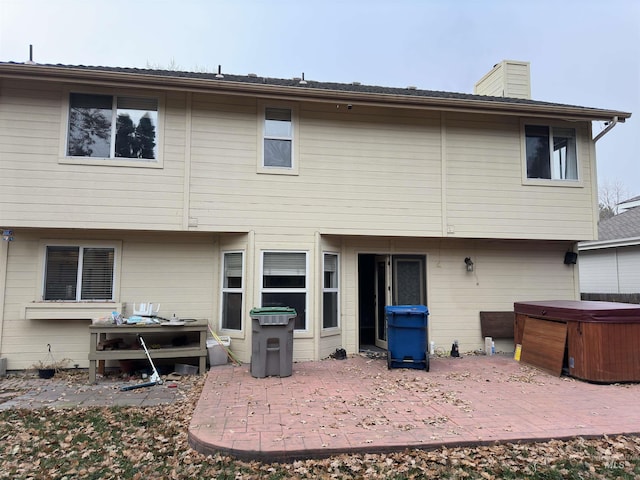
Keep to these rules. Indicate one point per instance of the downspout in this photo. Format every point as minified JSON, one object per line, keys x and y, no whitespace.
{"x":4,"y":262}
{"x":187,"y":221}
{"x":594,"y":180}
{"x":317,"y":307}
{"x":612,"y":124}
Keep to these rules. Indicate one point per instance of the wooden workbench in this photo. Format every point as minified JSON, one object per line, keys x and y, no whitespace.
{"x":196,"y":348}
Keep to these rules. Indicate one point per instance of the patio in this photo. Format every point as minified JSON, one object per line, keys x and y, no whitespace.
{"x":357,"y":405}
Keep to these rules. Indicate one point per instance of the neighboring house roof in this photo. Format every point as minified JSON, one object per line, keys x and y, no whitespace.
{"x":634,"y":199}
{"x":623,"y":225}
{"x":306,"y":89}
{"x":618,"y":231}
{"x":630,"y":203}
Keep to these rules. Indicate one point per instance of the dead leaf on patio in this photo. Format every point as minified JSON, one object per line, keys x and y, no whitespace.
{"x":151,"y":442}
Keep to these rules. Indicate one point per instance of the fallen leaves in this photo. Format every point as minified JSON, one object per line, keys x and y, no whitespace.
{"x":151,"y":442}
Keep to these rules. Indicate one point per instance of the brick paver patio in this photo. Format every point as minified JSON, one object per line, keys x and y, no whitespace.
{"x":358,"y":405}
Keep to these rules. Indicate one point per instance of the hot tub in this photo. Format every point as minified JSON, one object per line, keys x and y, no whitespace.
{"x":593,"y":341}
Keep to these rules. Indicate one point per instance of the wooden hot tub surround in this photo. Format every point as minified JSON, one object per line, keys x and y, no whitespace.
{"x":595,"y":341}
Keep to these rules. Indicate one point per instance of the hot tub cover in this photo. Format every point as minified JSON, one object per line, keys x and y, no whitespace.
{"x":580,"y":311}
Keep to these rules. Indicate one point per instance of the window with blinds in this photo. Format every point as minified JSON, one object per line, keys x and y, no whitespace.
{"x":330,"y":291}
{"x":284,"y":283}
{"x":232,"y":291}
{"x":78,"y":273}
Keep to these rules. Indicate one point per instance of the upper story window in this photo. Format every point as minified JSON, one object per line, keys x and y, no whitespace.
{"x":278,"y":138}
{"x":551,"y":153}
{"x":109,"y":126}
{"x":77,"y":273}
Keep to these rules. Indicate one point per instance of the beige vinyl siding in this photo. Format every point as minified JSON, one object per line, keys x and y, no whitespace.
{"x":507,"y":79}
{"x":504,"y":272}
{"x":354,"y":175}
{"x":38,"y":191}
{"x":223,"y":162}
{"x":178,"y":271}
{"x":370,"y":180}
{"x":364,"y":171}
{"x":492,"y":84}
{"x":181,"y":272}
{"x":518,"y":82}
{"x":486,"y":196}
{"x":377,"y":172}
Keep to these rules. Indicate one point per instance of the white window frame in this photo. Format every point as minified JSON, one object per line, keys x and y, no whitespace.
{"x":112,"y":161}
{"x":304,"y":290}
{"x":579,"y":182}
{"x":294,"y":168}
{"x":224,"y":290}
{"x":117,"y":252}
{"x":335,"y":290}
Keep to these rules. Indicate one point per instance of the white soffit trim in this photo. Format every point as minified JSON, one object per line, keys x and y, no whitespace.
{"x":619,"y":242}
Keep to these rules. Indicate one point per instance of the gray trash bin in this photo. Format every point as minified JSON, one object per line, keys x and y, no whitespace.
{"x":272,"y":341}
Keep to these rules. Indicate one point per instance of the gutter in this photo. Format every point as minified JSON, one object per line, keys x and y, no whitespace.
{"x":599,"y":244}
{"x":609,"y":127}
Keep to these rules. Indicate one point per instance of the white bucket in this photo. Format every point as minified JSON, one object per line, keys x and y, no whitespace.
{"x":217,"y":354}
{"x":488,"y":341}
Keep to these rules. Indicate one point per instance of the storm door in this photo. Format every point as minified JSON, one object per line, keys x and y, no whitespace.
{"x":408,"y":280}
{"x":382,"y":298}
{"x":400,"y":280}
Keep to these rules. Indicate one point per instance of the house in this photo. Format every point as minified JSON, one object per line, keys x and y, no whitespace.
{"x":628,"y":204}
{"x":211,"y":194}
{"x":610,"y":265}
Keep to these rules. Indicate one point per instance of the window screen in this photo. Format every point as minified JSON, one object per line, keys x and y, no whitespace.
{"x":330,"y":309}
{"x":284,"y":283}
{"x":78,"y":273}
{"x":278,"y":138}
{"x":232,"y":291}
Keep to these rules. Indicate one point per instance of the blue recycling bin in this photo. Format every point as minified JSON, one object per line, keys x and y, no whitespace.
{"x":407,"y":337}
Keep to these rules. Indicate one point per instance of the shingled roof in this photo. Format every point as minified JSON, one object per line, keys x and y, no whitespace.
{"x":301,"y":84}
{"x":309,"y":89}
{"x":621,"y":226}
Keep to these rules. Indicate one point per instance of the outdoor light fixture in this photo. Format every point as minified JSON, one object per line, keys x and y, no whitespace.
{"x":469,"y":264}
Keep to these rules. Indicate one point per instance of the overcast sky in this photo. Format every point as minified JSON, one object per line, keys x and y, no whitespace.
{"x":582,"y":52}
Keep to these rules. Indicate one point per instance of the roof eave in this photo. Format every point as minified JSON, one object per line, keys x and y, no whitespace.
{"x":617,"y":242}
{"x":88,"y":76}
